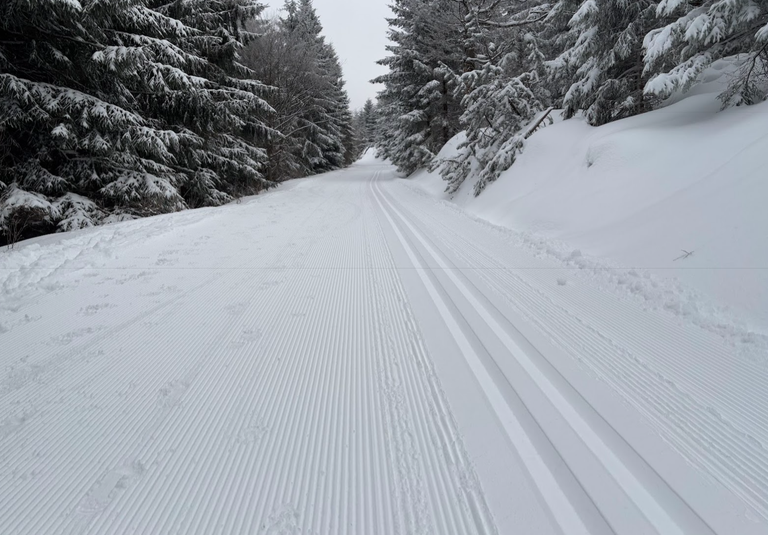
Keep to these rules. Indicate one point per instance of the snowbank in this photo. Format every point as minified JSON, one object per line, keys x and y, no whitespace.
{"x":644,"y":192}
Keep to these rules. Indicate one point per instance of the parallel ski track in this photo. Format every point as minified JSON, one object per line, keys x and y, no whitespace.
{"x":708,"y":405}
{"x":289,"y":389}
{"x":653,"y":507}
{"x":311,"y":406}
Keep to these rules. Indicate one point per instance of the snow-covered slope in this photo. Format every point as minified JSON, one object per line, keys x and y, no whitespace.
{"x":641,"y":192}
{"x":348,"y":356}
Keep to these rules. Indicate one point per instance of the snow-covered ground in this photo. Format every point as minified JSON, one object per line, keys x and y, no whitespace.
{"x":643,"y":191}
{"x":350,"y":355}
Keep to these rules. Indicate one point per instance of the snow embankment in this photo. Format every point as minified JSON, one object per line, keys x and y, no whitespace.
{"x":630,"y":200}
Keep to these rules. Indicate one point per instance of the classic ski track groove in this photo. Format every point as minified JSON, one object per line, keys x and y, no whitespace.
{"x":693,"y":425}
{"x":643,"y":498}
{"x":561,"y":508}
{"x":283,"y":385}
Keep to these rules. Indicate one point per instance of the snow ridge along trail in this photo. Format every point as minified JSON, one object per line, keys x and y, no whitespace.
{"x":348,"y":356}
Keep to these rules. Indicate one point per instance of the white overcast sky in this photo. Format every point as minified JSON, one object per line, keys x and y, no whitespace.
{"x":358,"y":31}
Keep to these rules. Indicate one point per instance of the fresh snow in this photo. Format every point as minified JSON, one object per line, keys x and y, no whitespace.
{"x":635,"y":196}
{"x":347,"y":354}
{"x":15,"y":198}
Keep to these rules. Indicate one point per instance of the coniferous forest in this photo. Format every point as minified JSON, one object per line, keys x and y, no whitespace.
{"x":383,"y":267}
{"x":494,"y":69}
{"x":117,"y":109}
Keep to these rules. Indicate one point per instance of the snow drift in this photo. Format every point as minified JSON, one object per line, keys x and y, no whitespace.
{"x":645,"y":192}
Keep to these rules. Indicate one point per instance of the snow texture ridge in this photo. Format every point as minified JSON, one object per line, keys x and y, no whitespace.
{"x":349,"y":355}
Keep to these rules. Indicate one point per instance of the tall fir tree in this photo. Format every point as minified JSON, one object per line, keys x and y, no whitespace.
{"x":420,"y":102}
{"x":369,"y":124}
{"x":227,"y":115}
{"x":70,"y":127}
{"x":324,"y":124}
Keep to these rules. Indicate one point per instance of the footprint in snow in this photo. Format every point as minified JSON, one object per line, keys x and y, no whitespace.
{"x":166,"y":261}
{"x":108,"y":487}
{"x":17,"y":377}
{"x":252,"y":432}
{"x":237,"y":309}
{"x":143,"y":275}
{"x":13,"y":424}
{"x":247,"y":336}
{"x":29,"y":319}
{"x":163,"y":290}
{"x":170,"y":395}
{"x":92,"y":310}
{"x":283,"y":521}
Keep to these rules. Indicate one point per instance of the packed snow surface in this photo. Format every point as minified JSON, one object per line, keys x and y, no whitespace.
{"x":349,"y":355}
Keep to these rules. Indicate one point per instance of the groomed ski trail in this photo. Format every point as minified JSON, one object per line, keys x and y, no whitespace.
{"x":349,"y":356}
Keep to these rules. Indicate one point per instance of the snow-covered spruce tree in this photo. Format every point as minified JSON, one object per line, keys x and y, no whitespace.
{"x":302,"y":28}
{"x":365,"y":127}
{"x":604,"y":55}
{"x":68,"y":126}
{"x":312,"y":123}
{"x":504,"y":92}
{"x":213,"y":95}
{"x":555,"y":37}
{"x":322,"y":121}
{"x":282,"y":65}
{"x":337,"y":146}
{"x":346,"y":122}
{"x":499,"y":109}
{"x":702,"y":32}
{"x":420,"y":102}
{"x":369,"y":124}
{"x":113,"y":107}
